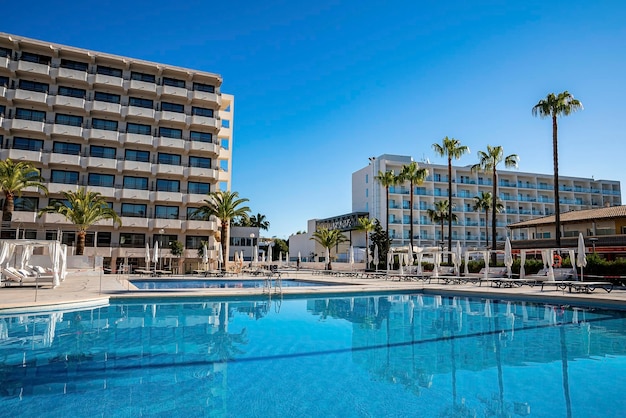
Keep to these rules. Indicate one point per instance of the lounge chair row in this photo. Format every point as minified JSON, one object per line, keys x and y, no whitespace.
{"x":29,"y":275}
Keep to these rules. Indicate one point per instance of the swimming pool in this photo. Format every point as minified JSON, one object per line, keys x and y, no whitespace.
{"x":215,"y":283}
{"x":376,"y":355}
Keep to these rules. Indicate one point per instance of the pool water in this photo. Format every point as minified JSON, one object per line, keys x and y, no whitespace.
{"x":378,"y":355}
{"x":228,"y":283}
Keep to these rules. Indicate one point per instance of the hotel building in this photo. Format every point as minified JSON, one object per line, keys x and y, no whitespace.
{"x":152,"y":138}
{"x":524,"y":195}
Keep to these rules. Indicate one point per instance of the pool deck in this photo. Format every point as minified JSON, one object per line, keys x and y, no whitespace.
{"x":88,"y":288}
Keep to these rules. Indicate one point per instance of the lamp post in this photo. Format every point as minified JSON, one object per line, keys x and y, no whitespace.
{"x":442,"y":244}
{"x":251,"y":249}
{"x":593,"y":243}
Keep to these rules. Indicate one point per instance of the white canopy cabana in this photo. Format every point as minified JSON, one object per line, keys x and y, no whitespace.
{"x":10,"y":248}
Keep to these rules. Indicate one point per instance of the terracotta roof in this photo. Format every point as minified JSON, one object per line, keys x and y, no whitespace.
{"x":575,"y":216}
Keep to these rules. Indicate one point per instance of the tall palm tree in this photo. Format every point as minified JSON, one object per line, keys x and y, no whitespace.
{"x":328,"y":238}
{"x":450,"y":148}
{"x":259,"y":221}
{"x":483,"y":203}
{"x":15,"y":177}
{"x":387,"y":179}
{"x":440,"y":213}
{"x":367,"y":225}
{"x":83,"y":208}
{"x":415,"y":176}
{"x":224,"y":205}
{"x":554,"y":106}
{"x":488,"y":162}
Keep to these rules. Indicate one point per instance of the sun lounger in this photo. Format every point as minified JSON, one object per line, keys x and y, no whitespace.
{"x":14,"y":275}
{"x":143,"y":272}
{"x":576,"y":286}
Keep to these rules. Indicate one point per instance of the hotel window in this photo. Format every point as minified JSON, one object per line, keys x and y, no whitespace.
{"x":113,"y":72}
{"x":4,"y":81}
{"x":65,"y":148}
{"x":164,"y":185}
{"x":73,"y":65}
{"x":107,"y":97}
{"x":193,"y":216}
{"x":64,"y":177}
{"x":224,"y":143}
{"x":136,"y":128}
{"x":135,"y":155}
{"x":69,"y":120}
{"x":5,"y":52}
{"x":137,"y":183}
{"x":166,"y":212}
{"x":103,"y":239}
{"x":172,"y":107}
{"x":170,"y":159}
{"x":198,"y":188}
{"x":204,"y":87}
{"x":139,"y":102}
{"x":201,"y":136}
{"x":128,"y":240}
{"x":101,"y":180}
{"x":200,"y":111}
{"x":200,"y":162}
{"x":3,"y":110}
{"x":133,"y":210}
{"x":193,"y":243}
{"x":36,"y":58}
{"x":171,"y":133}
{"x":27,"y":144}
{"x":107,"y":125}
{"x":33,"y":86}
{"x":173,"y":82}
{"x":147,"y":78}
{"x":26,"y":204}
{"x":102,"y":152}
{"x":28,"y":114}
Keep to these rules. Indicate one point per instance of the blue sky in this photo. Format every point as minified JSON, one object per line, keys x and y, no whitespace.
{"x":321,"y":86}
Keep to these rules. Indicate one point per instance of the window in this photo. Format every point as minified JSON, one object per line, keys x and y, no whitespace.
{"x":113,"y":72}
{"x":137,"y":183}
{"x":172,"y":107}
{"x":65,"y":177}
{"x":36,"y":58}
{"x":171,"y":133}
{"x":129,"y":240}
{"x":204,"y":87}
{"x":224,"y":143}
{"x":135,"y":155}
{"x":107,"y":97}
{"x":171,"y":159}
{"x":201,"y":111}
{"x":107,"y":125}
{"x":5,"y":52}
{"x":33,"y":86}
{"x":27,"y":144}
{"x":193,"y":216}
{"x":65,"y":148}
{"x":133,"y":210}
{"x":4,"y":81}
{"x":3,"y":110}
{"x":164,"y":185}
{"x":70,"y":120}
{"x":103,"y":239}
{"x":139,"y":102}
{"x":201,"y":136}
{"x":73,"y":65}
{"x":26,"y":204}
{"x":173,"y":82}
{"x":194,"y":243}
{"x":148,"y":78}
{"x":200,"y":162}
{"x":101,"y":180}
{"x":166,"y":212}
{"x":136,"y":128}
{"x":102,"y":152}
{"x":29,"y":114}
{"x":197,"y":188}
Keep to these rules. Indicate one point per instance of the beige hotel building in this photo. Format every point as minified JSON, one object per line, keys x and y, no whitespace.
{"x":152,"y":138}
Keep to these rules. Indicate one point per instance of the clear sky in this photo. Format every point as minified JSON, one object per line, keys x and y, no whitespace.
{"x":321,"y":86}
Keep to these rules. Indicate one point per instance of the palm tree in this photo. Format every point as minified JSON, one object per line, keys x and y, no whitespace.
{"x":450,"y":148}
{"x":328,"y":238}
{"x":387,"y":179}
{"x":483,"y":203}
{"x":488,"y":162}
{"x":440,"y":213}
{"x":15,"y":177}
{"x":83,"y":208}
{"x":554,"y":106}
{"x":367,"y":225}
{"x":259,"y":221}
{"x":415,"y":176}
{"x":224,"y":205}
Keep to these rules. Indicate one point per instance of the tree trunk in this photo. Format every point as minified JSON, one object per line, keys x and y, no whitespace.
{"x":367,"y":252}
{"x":557,"y":208}
{"x":80,"y":243}
{"x":330,"y":266}
{"x":411,"y":216}
{"x":449,"y":209}
{"x":487,"y":228}
{"x":494,"y":202}
{"x":9,"y":207}
{"x":224,"y":243}
{"x":387,"y":211}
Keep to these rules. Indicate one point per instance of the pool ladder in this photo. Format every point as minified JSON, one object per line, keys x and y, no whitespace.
{"x":278,"y":283}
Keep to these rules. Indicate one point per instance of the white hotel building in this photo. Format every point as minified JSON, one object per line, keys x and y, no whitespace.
{"x":524,"y":196}
{"x":152,"y":138}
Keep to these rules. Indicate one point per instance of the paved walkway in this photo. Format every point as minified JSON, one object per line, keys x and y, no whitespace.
{"x":92,"y":287}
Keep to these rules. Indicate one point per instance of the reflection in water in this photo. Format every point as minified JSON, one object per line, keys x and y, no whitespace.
{"x":447,"y":356}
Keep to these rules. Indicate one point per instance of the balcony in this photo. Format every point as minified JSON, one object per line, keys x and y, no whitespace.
{"x":67,"y":130}
{"x":203,"y":121}
{"x":20,"y":217}
{"x":97,"y":162}
{"x":202,"y":147}
{"x":166,"y":197}
{"x":33,"y":67}
{"x":20,"y":155}
{"x":26,"y":125}
{"x":176,"y":170}
{"x":194,"y":198}
{"x":134,"y":194}
{"x":164,"y":224}
{"x":105,"y":107}
{"x":66,"y":101}
{"x":143,"y":86}
{"x":54,"y":218}
{"x":138,"y":166}
{"x":198,"y":226}
{"x":5,"y":62}
{"x":61,"y":159}
{"x":128,"y":221}
{"x":31,"y":96}
{"x":200,"y":172}
{"x":103,"y":222}
{"x":205,"y":97}
{"x":104,"y":191}
{"x":175,"y":143}
{"x":137,"y":139}
{"x":57,"y":188}
{"x":173,"y":117}
{"x":138,"y":112}
{"x":106,"y":80}
{"x":104,"y":134}
{"x":172,"y":91}
{"x":70,"y":74}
